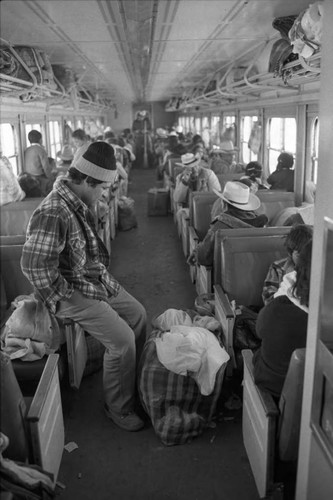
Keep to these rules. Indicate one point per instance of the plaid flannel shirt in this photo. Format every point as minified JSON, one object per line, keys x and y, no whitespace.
{"x":274,"y":278}
{"x":63,"y":251}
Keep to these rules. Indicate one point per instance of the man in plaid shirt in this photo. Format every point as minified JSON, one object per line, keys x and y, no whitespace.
{"x":67,"y":264}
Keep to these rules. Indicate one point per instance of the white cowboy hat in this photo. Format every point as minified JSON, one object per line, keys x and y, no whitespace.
{"x":66,"y":153}
{"x":161,"y":132}
{"x":173,"y":133}
{"x":239,"y":195}
{"x":188,"y":160}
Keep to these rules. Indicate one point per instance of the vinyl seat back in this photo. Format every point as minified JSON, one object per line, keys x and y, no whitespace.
{"x":271,"y":431}
{"x":242,"y":258}
{"x":15,"y":216}
{"x":273,"y":202}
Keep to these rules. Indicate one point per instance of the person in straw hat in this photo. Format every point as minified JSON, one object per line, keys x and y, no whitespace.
{"x":223,"y":159}
{"x":66,"y":157}
{"x":193,"y":178}
{"x":235,"y":207}
{"x":67,"y":264}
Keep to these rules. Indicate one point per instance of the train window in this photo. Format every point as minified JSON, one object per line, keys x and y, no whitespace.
{"x":228,"y":121}
{"x":181,"y":122}
{"x":197,"y":125}
{"x":55,"y":143}
{"x":9,"y":144}
{"x":314,"y":150}
{"x":281,"y":137}
{"x":215,"y":130}
{"x":187,"y":124}
{"x":247,"y":123}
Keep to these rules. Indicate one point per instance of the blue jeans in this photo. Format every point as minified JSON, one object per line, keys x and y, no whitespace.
{"x":118,"y":324}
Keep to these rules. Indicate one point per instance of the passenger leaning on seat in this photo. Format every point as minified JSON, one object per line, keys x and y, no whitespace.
{"x":67,"y":264}
{"x":296,"y":239}
{"x":193,"y":178}
{"x":282,"y":326}
{"x":235,"y":208}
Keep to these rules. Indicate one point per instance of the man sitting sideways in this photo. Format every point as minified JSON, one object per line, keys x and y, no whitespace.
{"x":67,"y":264}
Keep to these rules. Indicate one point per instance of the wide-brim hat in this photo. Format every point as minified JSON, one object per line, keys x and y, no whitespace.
{"x":238,"y":195}
{"x":188,"y":160}
{"x":227,"y":147}
{"x":66,"y":154}
{"x":98,"y":162}
{"x":162,"y":133}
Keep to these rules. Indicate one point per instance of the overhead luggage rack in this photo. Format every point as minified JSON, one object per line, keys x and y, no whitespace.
{"x":298,"y":72}
{"x":30,"y":89}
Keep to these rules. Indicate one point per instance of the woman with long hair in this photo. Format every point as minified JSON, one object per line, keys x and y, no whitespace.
{"x":282,"y":326}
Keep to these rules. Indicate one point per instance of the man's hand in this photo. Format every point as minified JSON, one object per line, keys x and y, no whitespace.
{"x":192,"y":259}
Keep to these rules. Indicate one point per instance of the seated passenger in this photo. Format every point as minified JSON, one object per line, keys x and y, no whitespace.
{"x":298,"y":236}
{"x":66,"y":157}
{"x":223,"y":160}
{"x":253,"y":172}
{"x":235,"y":208}
{"x":199,"y":151}
{"x":81,"y":143}
{"x":38,"y":164}
{"x":193,"y":178}
{"x":67,"y":264}
{"x":282,"y":326}
{"x":282,"y":179}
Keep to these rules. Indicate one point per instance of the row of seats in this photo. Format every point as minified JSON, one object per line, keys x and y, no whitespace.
{"x":241,"y":261}
{"x":35,"y":404}
{"x":31,"y":410}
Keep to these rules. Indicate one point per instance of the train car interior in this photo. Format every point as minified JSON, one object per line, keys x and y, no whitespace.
{"x":206,"y":129}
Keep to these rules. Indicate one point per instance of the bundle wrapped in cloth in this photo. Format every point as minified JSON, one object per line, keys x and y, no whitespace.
{"x":31,"y":331}
{"x":181,"y":375}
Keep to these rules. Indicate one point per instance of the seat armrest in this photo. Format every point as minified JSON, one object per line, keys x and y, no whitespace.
{"x":266,"y":399}
{"x":45,"y":420}
{"x":259,"y":424}
{"x":193,"y":235}
{"x":204,"y":279}
{"x":225,"y":314}
{"x":43,"y":388}
{"x":76,"y":352}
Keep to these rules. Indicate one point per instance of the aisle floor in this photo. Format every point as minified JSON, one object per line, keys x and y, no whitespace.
{"x":112,"y":464}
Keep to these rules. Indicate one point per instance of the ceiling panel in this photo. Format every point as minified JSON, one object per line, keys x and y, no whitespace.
{"x":145,"y":49}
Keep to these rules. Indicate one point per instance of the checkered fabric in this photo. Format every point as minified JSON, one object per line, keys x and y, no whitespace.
{"x":178,"y":411}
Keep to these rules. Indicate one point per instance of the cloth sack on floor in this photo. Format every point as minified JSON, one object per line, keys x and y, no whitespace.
{"x":178,"y":411}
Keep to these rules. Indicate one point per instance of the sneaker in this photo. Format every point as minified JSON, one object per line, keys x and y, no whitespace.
{"x":127,"y":421}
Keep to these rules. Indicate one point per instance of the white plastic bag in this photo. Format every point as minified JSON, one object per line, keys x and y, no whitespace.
{"x":10,"y":189}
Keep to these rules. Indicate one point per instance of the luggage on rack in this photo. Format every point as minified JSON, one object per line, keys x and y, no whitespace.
{"x":36,"y":64}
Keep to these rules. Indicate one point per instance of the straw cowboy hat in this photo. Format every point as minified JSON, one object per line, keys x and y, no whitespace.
{"x":238,"y":195}
{"x":188,"y":160}
{"x":226,"y":147}
{"x":162,"y":133}
{"x":66,"y":153}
